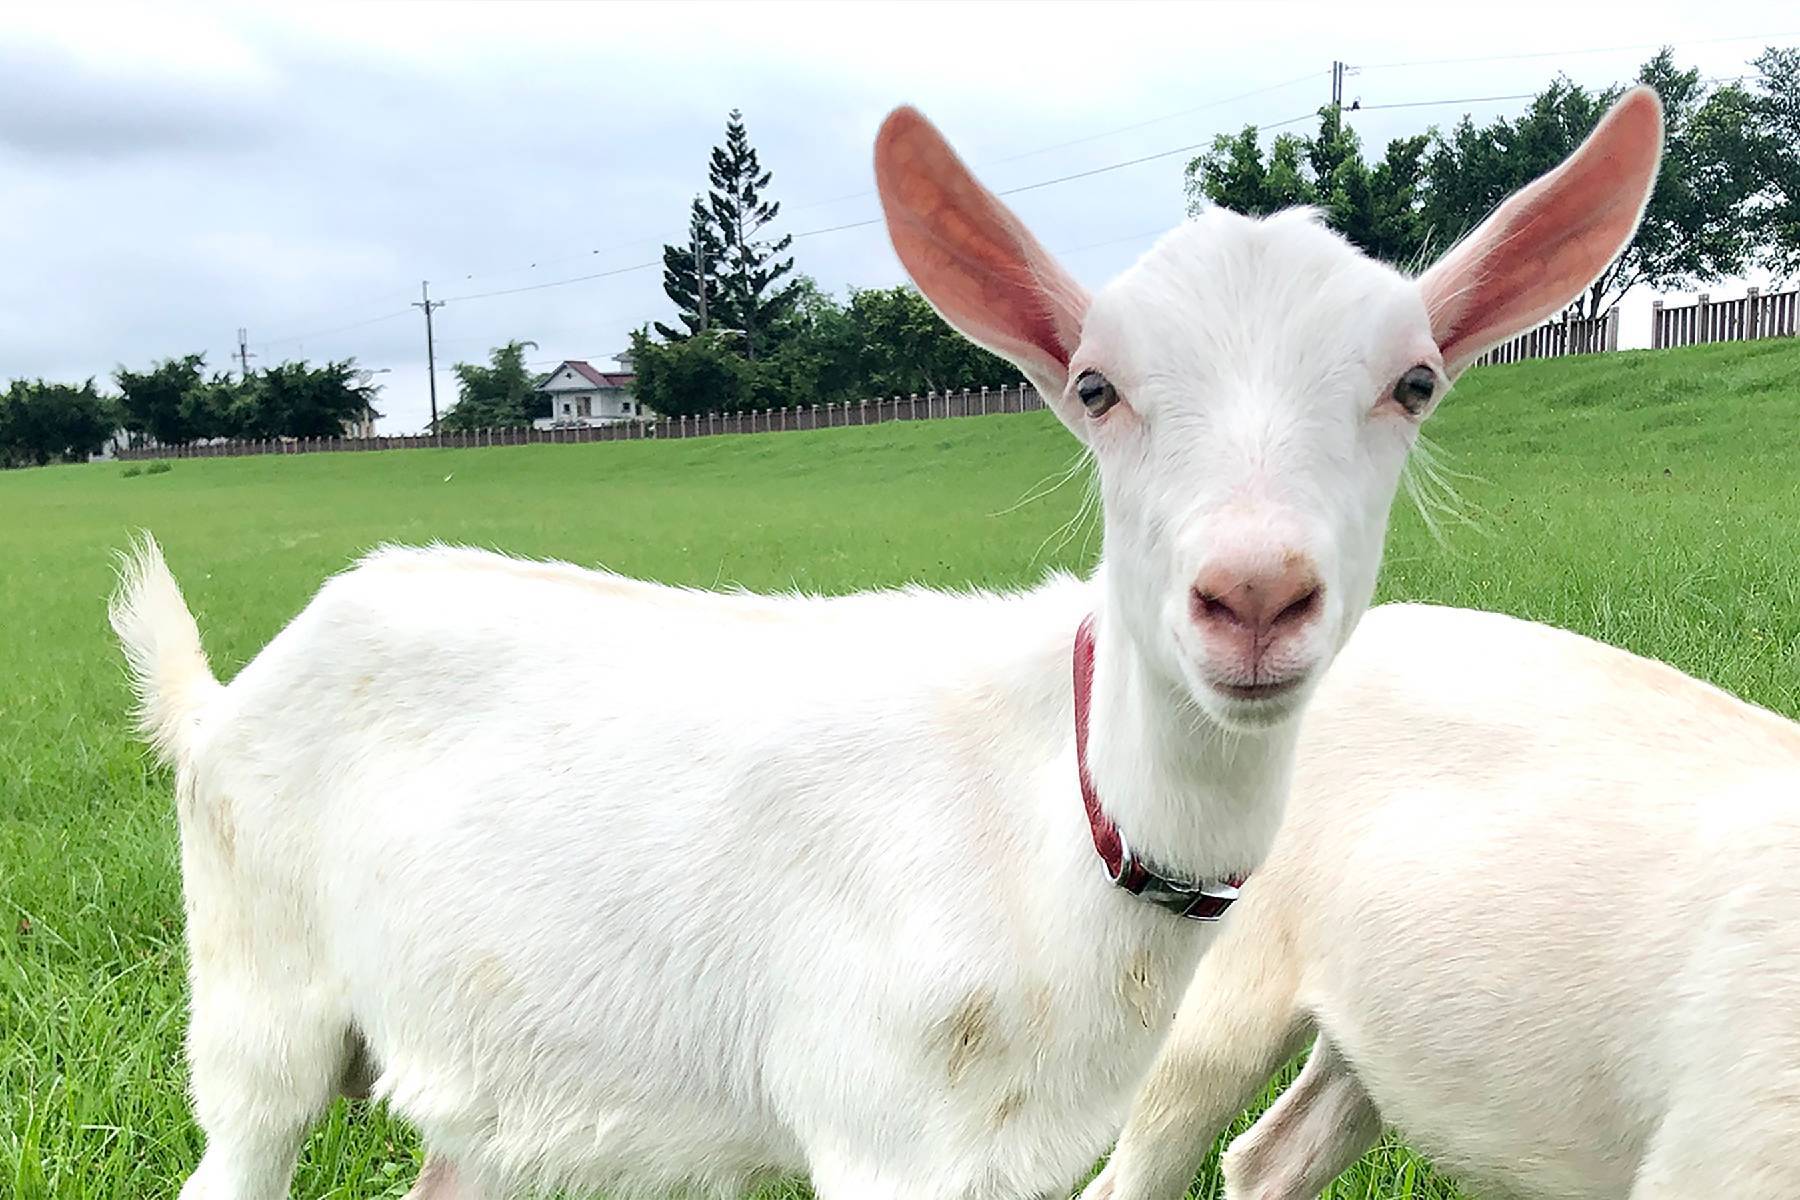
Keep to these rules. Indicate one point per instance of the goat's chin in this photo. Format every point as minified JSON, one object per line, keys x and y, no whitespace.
{"x":1250,"y":709}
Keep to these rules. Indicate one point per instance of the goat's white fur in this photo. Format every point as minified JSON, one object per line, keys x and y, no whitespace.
{"x":1551,"y":930}
{"x":807,"y":886}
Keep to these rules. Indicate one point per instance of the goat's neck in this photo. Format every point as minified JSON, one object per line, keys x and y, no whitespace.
{"x":1192,"y":797}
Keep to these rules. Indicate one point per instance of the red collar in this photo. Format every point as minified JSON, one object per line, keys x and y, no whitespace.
{"x":1199,"y":900}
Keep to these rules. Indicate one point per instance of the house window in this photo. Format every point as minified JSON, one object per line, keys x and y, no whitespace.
{"x":565,"y":408}
{"x":584,"y":407}
{"x":625,"y":407}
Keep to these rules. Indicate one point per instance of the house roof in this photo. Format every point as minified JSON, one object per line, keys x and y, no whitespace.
{"x":586,"y":371}
{"x":602,"y":379}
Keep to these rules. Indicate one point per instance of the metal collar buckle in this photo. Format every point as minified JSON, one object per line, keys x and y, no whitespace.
{"x":1193,"y":900}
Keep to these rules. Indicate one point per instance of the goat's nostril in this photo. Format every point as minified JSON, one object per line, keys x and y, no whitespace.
{"x":1230,"y":603}
{"x":1301,"y":608}
{"x":1208,"y":607}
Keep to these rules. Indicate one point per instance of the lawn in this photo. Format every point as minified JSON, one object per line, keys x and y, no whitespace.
{"x":1651,"y":499}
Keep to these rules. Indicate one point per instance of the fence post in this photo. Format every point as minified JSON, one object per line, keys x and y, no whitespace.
{"x":1752,"y":314}
{"x":1704,"y":321}
{"x":1612,"y":328}
{"x":1656,"y":324}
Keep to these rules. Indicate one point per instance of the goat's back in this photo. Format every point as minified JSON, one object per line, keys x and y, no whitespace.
{"x":1533,"y":884}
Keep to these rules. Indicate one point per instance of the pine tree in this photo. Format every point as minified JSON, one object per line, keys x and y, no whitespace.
{"x":743,"y":275}
{"x":682,"y":281}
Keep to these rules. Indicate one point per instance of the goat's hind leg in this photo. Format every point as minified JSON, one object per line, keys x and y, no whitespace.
{"x":265,"y":1061}
{"x":1321,"y":1124}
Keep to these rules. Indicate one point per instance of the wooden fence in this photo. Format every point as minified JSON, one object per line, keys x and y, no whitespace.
{"x":1755,"y":315}
{"x":969,"y":402}
{"x":1745,"y":319}
{"x":1563,"y":336}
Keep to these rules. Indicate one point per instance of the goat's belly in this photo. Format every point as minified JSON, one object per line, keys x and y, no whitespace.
{"x":549,"y":988}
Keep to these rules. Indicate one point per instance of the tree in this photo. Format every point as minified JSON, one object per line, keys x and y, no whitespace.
{"x":684,"y":281}
{"x":745,"y":295}
{"x":153,"y":401}
{"x":905,"y":347}
{"x":698,"y":374}
{"x":1775,"y":110}
{"x":1378,"y":209}
{"x":221,"y":407}
{"x":501,"y":395}
{"x":41,"y":422}
{"x":817,"y":356}
{"x":1698,"y":226}
{"x":294,"y":399}
{"x":1431,"y":188}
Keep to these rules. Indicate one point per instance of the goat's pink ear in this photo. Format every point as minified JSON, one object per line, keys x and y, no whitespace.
{"x":972,"y":258}
{"x":1550,"y":240}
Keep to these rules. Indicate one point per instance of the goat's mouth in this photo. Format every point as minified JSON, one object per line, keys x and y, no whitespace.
{"x":1274,"y":689}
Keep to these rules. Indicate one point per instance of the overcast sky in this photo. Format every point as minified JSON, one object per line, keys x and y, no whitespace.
{"x":170,"y":174}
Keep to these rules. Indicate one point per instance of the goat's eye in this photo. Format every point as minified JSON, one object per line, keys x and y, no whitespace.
{"x":1414,"y":390}
{"x":1096,"y":391}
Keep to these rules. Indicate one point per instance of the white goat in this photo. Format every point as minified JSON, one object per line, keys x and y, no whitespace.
{"x":814,"y":888}
{"x":1551,"y":931}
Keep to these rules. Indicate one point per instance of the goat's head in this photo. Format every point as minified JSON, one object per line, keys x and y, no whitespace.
{"x":1250,"y":389}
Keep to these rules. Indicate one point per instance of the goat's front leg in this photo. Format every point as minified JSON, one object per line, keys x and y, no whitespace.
{"x":440,"y":1180}
{"x":1309,"y":1137}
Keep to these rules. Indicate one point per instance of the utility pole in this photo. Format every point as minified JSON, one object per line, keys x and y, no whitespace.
{"x":244,"y":355}
{"x":1337,"y":95}
{"x":429,"y":305}
{"x":700,"y":275}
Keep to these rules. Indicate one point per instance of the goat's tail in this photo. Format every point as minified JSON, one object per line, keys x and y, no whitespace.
{"x":169,"y":671}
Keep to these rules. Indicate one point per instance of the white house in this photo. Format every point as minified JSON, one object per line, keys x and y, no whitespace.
{"x":581,"y":395}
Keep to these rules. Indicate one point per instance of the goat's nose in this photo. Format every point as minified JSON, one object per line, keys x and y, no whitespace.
{"x":1260,"y":601}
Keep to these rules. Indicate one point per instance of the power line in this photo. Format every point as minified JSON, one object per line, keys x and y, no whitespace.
{"x":1026,"y":187}
{"x":1358,"y":106}
{"x":538,"y":287}
{"x":1187,"y":112}
{"x":301,"y":337}
{"x":1187,"y":148}
{"x":1438,"y":62}
{"x":1023,"y":154}
{"x":1089,"y":173}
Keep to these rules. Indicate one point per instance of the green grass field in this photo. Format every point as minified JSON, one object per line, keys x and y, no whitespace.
{"x":1649,"y":499}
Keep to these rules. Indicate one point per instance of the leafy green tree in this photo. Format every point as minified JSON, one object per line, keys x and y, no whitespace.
{"x":1698,"y":226}
{"x":1430,"y":189}
{"x":698,"y":374}
{"x":501,"y":395}
{"x":1775,"y":110}
{"x":221,"y":406}
{"x":42,"y":422}
{"x":294,"y":399}
{"x":816,"y":359}
{"x":155,"y":401}
{"x":905,"y":347}
{"x":1378,"y":209}
{"x":743,"y":275}
{"x":1230,"y":175}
